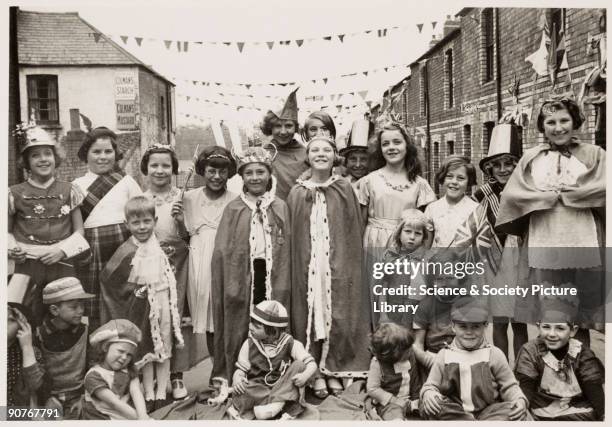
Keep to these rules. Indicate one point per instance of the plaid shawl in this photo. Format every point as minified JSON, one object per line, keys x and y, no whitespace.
{"x":97,"y":190}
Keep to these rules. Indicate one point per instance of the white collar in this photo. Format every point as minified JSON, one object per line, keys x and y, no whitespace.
{"x":41,"y":186}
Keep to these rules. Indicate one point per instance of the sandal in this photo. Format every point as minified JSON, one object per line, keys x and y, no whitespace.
{"x":178,"y":389}
{"x":319,"y":388}
{"x":335,"y":386}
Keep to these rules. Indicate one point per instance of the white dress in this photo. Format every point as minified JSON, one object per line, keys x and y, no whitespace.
{"x":447,"y":218}
{"x":202,"y":217}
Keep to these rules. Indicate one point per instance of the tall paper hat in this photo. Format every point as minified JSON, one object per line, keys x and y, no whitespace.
{"x":359,"y":136}
{"x":271,"y":313}
{"x":504,"y":140}
{"x":290,"y":109}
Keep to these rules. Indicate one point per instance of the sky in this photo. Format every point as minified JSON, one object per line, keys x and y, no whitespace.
{"x":271,"y":20}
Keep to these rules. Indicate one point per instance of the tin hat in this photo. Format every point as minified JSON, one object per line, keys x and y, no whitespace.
{"x":271,"y":313}
{"x":358,"y":138}
{"x":116,"y":330}
{"x":504,"y":140}
{"x":64,"y":289}
{"x":31,"y":135}
{"x":470,"y":310}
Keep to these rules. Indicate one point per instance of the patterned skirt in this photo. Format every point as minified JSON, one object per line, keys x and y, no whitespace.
{"x":103,"y":242}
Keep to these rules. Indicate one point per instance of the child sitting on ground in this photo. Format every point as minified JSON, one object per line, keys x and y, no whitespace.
{"x":470,"y":379}
{"x":272,"y":367}
{"x":560,"y":376}
{"x":63,"y":341}
{"x":393,"y":380}
{"x":112,"y":388}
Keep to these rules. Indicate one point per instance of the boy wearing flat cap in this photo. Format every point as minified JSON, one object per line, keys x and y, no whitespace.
{"x":63,"y":342}
{"x":470,"y":379}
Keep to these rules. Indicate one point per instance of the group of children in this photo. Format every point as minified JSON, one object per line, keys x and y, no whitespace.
{"x":255,"y":285}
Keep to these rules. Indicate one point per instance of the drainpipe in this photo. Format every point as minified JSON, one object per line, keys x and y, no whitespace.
{"x":427,"y":120}
{"x":498,"y":65}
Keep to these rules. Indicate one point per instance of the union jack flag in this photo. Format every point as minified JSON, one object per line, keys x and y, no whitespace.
{"x":477,"y":241}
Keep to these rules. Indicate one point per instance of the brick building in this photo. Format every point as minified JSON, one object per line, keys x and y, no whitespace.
{"x":65,"y":66}
{"x":476,"y":73}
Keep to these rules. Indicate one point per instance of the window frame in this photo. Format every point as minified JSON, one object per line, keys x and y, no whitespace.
{"x":49,"y":78}
{"x":488,"y":28}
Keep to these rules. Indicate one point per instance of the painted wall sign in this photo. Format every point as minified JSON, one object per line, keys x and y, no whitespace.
{"x":127,"y":115}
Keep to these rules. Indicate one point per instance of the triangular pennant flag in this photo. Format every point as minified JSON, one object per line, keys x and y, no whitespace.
{"x":433,"y":24}
{"x":178,"y":46}
{"x":328,"y":38}
{"x":248,"y":86}
{"x":199,"y":42}
{"x":124,"y":39}
{"x":325,"y":80}
{"x":339,"y":107}
{"x":186,"y":115}
{"x":369,"y":103}
{"x":341,"y":37}
{"x":240,"y":46}
{"x":218,"y":84}
{"x":195,"y":82}
{"x":385,"y":68}
{"x":563,"y":52}
{"x":363,"y":94}
{"x":138,"y":40}
{"x":299,"y":42}
{"x":96,"y":37}
{"x":314,"y":81}
{"x":365,"y":73}
{"x":339,"y":96}
{"x":270,"y":44}
{"x":282,"y":84}
{"x":539,"y":58}
{"x":368,"y":31}
{"x":188,"y":98}
{"x":287,"y":42}
{"x":332,"y":97}
{"x":167,"y":43}
{"x":420,"y":27}
{"x":185,"y":46}
{"x":227,"y":43}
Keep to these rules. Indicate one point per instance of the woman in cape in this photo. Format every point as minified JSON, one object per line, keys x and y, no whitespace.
{"x":107,"y":190}
{"x":556,"y":200}
{"x":250,"y":261}
{"x":329,"y":304}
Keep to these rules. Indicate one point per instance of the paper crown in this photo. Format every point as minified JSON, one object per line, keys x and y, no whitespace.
{"x":504,"y":140}
{"x":290,"y":109}
{"x":271,"y":313}
{"x":255,"y":155}
{"x":359,"y":136}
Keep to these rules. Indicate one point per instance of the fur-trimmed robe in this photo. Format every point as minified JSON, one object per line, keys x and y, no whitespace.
{"x":231,"y":278}
{"x":348,"y":354}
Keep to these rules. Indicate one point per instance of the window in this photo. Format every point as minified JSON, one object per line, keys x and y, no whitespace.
{"x":162,"y":112}
{"x":487,"y":131}
{"x":450,"y":147}
{"x":449,"y":78}
{"x":436,"y":164}
{"x":467,"y":141}
{"x":489,"y":44}
{"x":557,"y":30}
{"x":423,"y":90}
{"x":42,"y":98}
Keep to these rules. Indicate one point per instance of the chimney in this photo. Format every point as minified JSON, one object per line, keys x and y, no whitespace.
{"x":75,"y":131}
{"x":434,"y":41}
{"x":450,"y":25}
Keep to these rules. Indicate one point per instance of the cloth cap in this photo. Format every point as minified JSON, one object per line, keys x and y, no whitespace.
{"x":290,"y":109}
{"x":36,"y":136}
{"x":559,"y":309}
{"x":470,"y":310}
{"x":64,"y":289}
{"x":255,"y":155}
{"x":504,"y":140}
{"x":117,"y":330}
{"x":360,"y":133}
{"x":271,"y":313}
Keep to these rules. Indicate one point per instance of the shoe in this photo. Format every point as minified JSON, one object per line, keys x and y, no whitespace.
{"x":269,"y":411}
{"x":319,"y":388}
{"x":334,"y":385}
{"x":179,"y":391}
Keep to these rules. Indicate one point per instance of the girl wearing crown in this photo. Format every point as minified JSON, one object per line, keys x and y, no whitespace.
{"x":250,"y":261}
{"x":107,"y":190}
{"x":329,"y":305}
{"x":393,"y":186}
{"x":44,"y":223}
{"x":556,"y":200}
